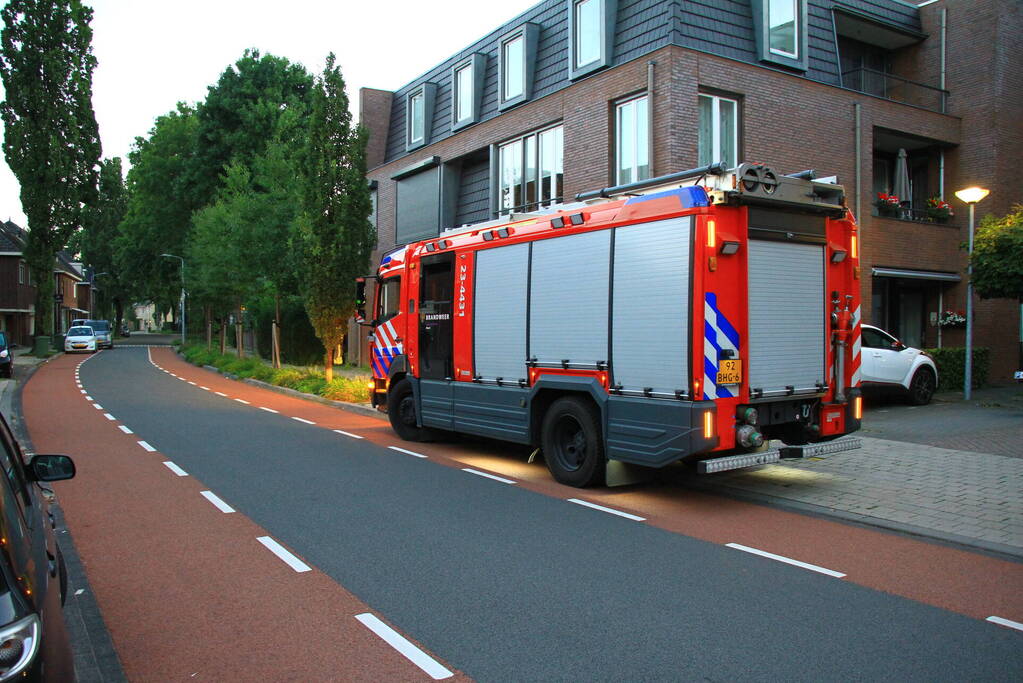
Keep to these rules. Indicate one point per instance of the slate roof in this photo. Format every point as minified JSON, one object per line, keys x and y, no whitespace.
{"x":12,"y":237}
{"x":720,"y":27}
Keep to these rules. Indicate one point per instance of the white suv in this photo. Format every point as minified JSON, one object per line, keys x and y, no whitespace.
{"x":885,"y":361}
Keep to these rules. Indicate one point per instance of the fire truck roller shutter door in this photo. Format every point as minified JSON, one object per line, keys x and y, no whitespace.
{"x":499,"y":326}
{"x":786,"y":316}
{"x":650,"y":330}
{"x":569,"y":298}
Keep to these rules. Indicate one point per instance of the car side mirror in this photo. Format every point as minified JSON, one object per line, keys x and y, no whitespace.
{"x":51,"y":468}
{"x":898,"y":346}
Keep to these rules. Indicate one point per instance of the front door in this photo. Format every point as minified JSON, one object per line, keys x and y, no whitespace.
{"x":436,"y":296}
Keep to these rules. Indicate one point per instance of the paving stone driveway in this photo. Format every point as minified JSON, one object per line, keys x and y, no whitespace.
{"x":952,"y":471}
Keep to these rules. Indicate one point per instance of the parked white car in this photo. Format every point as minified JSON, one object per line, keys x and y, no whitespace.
{"x":887,"y":362}
{"x":80,"y":338}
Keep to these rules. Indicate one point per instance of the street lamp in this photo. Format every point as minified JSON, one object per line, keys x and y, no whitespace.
{"x":970,"y":196}
{"x":182,"y":294}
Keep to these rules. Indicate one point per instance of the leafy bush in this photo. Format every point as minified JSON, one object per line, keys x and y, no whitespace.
{"x":351,"y":389}
{"x":311,"y":384}
{"x":287,"y":377}
{"x":951,"y":362}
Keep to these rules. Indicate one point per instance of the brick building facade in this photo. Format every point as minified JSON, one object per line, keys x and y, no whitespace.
{"x":842,"y":87}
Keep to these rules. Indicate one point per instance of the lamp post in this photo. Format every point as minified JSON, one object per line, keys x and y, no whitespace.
{"x":182,"y":294}
{"x":970,"y":196}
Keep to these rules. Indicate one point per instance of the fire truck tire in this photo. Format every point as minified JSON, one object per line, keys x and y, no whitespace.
{"x":921,"y":387}
{"x":572,"y":443}
{"x":401,"y":409}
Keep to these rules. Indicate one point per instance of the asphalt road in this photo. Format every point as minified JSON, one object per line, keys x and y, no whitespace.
{"x":497,"y":581}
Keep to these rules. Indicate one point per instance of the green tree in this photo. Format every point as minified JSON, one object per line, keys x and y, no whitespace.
{"x":161,"y":200}
{"x":51,"y":140}
{"x":998,"y":256}
{"x":257,"y":99}
{"x":334,"y":232}
{"x":101,"y":227}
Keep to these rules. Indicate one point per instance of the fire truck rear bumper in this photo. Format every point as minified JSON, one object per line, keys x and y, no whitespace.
{"x":735,"y":462}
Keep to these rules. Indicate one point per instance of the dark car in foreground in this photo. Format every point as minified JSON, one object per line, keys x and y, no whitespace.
{"x":34,"y":642}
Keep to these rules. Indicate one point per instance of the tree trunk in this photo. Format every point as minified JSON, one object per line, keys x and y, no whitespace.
{"x":328,"y":364}
{"x":223,"y":337}
{"x":209,"y":327}
{"x":276,"y":335}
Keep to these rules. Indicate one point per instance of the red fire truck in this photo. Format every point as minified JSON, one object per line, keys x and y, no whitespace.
{"x":687,"y":317}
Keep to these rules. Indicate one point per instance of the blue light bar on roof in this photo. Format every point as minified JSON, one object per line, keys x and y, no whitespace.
{"x":689,"y":197}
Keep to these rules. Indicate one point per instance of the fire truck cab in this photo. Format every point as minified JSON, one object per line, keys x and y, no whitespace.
{"x":689,"y":317}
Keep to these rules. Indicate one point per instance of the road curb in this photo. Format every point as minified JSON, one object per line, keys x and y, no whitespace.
{"x":998,"y":550}
{"x":358,"y":408}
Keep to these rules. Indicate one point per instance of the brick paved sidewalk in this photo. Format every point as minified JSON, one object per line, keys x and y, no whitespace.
{"x":971,"y":498}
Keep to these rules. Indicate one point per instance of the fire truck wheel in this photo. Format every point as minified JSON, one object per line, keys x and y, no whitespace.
{"x":921,"y":387}
{"x":401,"y":409}
{"x":572,"y":443}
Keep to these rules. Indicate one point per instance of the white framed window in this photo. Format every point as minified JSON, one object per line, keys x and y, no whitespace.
{"x":587,"y":32}
{"x":419,"y":115}
{"x":516,"y":63}
{"x":513,"y":59}
{"x":416,"y":114}
{"x":531,"y":171}
{"x":718,"y":130}
{"x":21,"y":272}
{"x":463,"y":92}
{"x":632,"y":141}
{"x":783,"y":27}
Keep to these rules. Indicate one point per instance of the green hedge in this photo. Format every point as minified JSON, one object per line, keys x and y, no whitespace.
{"x":354,"y":389}
{"x":951,"y":362}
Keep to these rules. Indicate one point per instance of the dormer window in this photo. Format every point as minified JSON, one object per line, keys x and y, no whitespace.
{"x":467,"y":90}
{"x":419,"y":115}
{"x":782,"y":29}
{"x":781,"y":32}
{"x":591,"y":35}
{"x":517,"y":61}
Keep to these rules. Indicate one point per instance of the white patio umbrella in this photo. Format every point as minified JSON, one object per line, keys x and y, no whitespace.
{"x":900,"y":183}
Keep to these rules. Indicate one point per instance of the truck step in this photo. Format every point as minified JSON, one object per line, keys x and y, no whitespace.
{"x":735,"y":462}
{"x":818,"y":449}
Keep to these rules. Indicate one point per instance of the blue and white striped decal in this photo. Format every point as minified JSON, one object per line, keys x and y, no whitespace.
{"x":718,"y":334}
{"x":385,"y":348}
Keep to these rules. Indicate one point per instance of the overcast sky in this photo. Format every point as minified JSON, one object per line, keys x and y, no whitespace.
{"x":155,"y":53}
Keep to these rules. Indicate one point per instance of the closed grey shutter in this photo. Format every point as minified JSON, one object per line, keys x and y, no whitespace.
{"x":499,"y":324}
{"x":786,"y":316}
{"x":568,"y":299}
{"x":650,"y":337}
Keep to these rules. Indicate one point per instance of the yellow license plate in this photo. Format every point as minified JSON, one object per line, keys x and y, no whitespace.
{"x":730,"y":372}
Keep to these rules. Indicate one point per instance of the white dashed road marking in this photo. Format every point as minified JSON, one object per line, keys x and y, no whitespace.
{"x":219,"y":504}
{"x":269,"y":410}
{"x":302,"y":419}
{"x":175,"y":469}
{"x":588,"y":504}
{"x":109,"y":417}
{"x":487,"y":475}
{"x":220,"y":394}
{"x":147,"y":446}
{"x":282,"y":552}
{"x":1006,"y":622}
{"x":354,"y":436}
{"x":242,"y":400}
{"x":786,"y":560}
{"x":402,"y":450}
{"x":424,"y":661}
{"x":125,"y":429}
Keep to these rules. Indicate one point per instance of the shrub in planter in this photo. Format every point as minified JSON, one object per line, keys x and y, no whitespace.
{"x":951,"y":362}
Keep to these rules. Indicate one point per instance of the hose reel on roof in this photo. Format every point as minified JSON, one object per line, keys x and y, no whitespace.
{"x":756,"y":179}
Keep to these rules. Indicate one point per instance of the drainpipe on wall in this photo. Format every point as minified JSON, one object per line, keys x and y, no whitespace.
{"x":944,"y":103}
{"x":650,"y":115}
{"x":859,"y":166}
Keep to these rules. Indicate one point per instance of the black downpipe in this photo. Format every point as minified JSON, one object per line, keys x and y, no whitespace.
{"x":712,"y":169}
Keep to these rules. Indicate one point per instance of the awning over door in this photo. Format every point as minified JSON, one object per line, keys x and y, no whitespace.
{"x":916,"y":274}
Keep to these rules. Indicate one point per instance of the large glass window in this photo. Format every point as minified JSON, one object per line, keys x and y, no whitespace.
{"x":719,"y":130}
{"x":387,"y":300}
{"x":632,"y":141}
{"x":531,"y":171}
{"x":416,"y":126}
{"x":514,"y":56}
{"x":588,"y":26}
{"x":463,"y":93}
{"x":782,"y":27}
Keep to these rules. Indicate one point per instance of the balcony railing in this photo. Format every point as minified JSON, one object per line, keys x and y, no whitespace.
{"x":912,"y":215}
{"x":892,"y":87}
